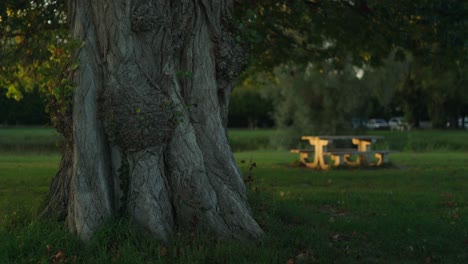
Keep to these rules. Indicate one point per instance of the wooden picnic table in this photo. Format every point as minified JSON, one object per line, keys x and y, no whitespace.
{"x":341,"y":156}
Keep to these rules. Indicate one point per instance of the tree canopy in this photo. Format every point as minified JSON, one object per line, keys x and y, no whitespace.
{"x":299,"y":31}
{"x":430,"y":37}
{"x":367,"y":30}
{"x":35,"y":53}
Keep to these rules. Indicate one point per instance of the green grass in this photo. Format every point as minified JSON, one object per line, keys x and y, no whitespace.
{"x":29,"y":139}
{"x":413,"y":212}
{"x":244,"y":139}
{"x":425,"y":140}
{"x":46,"y":140}
{"x":414,"y":140}
{"x":24,"y":180}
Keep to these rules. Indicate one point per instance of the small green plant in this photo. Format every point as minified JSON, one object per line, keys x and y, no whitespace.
{"x":184,"y":74}
{"x":248,"y":174}
{"x":17,"y":219}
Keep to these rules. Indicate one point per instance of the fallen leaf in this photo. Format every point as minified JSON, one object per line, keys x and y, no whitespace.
{"x":59,"y":257}
{"x":290,"y":261}
{"x":301,"y":256}
{"x":163,"y":251}
{"x":305,"y":257}
{"x":340,"y":237}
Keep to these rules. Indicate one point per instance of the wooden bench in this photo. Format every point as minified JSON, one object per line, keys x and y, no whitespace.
{"x":304,"y":156}
{"x":341,"y":156}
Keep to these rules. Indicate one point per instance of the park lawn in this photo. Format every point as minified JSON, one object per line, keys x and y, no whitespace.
{"x":415,"y":211}
{"x":245,"y":139}
{"x":400,"y":214}
{"x":29,"y":139}
{"x":24,"y":180}
{"x":47,"y":140}
{"x":423,"y":140}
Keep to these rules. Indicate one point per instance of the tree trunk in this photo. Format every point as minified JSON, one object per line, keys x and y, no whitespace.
{"x":149,"y":120}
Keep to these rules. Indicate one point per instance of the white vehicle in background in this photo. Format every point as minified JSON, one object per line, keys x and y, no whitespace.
{"x":463,"y":122}
{"x":377,"y":123}
{"x":398,"y":123}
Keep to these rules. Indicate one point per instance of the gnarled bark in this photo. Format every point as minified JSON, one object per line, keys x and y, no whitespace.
{"x":149,"y":119}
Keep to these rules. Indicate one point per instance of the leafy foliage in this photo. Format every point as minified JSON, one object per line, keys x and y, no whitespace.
{"x":36,"y":53}
{"x":28,"y":32}
{"x":367,"y":30}
{"x":56,"y":84}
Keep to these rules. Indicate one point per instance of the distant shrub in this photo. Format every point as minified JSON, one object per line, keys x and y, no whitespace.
{"x":28,"y":111}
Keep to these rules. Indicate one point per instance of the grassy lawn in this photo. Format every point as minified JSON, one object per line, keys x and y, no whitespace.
{"x":425,"y":140}
{"x":391,"y":215}
{"x":244,"y":139}
{"x":24,"y":180}
{"x":29,"y":139}
{"x":414,"y":212}
{"x":46,"y":140}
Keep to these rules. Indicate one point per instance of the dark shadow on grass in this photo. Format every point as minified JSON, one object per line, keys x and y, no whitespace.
{"x":390,"y":165}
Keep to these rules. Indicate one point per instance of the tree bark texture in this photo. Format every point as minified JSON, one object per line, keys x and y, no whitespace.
{"x":149,"y":120}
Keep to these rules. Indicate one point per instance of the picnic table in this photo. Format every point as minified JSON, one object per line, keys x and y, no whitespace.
{"x":362,"y":153}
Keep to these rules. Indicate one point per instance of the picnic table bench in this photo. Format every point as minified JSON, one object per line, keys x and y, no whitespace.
{"x":362,"y":155}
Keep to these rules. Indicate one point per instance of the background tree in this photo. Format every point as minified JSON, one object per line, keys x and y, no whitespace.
{"x":316,"y":100}
{"x":432,"y":33}
{"x":249,"y":107}
{"x":30,"y":110}
{"x":325,"y":100}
